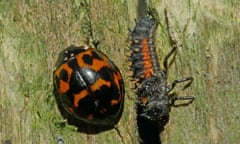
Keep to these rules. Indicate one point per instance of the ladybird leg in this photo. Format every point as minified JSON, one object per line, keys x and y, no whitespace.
{"x":172,"y":40}
{"x":170,"y":87}
{"x":165,"y":62}
{"x":174,"y":97}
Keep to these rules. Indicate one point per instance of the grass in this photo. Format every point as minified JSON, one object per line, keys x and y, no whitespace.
{"x":32,"y":33}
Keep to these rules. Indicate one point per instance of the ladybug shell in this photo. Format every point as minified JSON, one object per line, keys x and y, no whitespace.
{"x":89,"y":89}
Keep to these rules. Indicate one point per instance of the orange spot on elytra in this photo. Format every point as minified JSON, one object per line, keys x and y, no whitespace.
{"x":64,"y":67}
{"x":100,"y":82}
{"x":96,"y":65}
{"x":114,"y":102}
{"x":63,"y":87}
{"x":117,"y":77}
{"x":79,"y":96}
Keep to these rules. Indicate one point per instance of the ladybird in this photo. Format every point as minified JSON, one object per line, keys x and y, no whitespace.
{"x":89,"y":89}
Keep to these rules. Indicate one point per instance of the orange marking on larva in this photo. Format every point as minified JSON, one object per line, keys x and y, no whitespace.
{"x":146,"y":58}
{"x":96,"y":65}
{"x":100,"y":82}
{"x":144,"y":100}
{"x":79,"y":96}
{"x":149,"y":71}
{"x":145,"y":46}
{"x":148,"y":74}
{"x":147,"y":65}
{"x":63,"y":87}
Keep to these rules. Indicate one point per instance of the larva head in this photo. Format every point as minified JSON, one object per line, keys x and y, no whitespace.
{"x":153,"y":99}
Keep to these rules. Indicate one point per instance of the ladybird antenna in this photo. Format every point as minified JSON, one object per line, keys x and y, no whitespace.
{"x":173,"y":43}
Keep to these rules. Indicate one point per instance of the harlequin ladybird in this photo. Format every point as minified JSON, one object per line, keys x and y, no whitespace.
{"x":89,"y":89}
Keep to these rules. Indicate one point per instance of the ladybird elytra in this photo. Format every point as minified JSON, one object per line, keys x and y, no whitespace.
{"x":89,"y":89}
{"x":100,"y":82}
{"x":64,"y":71}
{"x":85,"y":60}
{"x":117,"y":79}
{"x":79,"y":96}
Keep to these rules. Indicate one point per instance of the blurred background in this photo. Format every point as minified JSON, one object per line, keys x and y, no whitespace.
{"x":32,"y":33}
